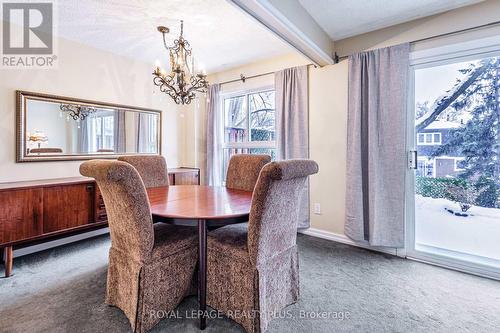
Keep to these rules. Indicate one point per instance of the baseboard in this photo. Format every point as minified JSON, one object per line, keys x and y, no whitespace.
{"x":340,"y":238}
{"x":58,"y":242}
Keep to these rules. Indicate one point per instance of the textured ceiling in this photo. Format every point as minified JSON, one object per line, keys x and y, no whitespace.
{"x":221,"y":35}
{"x":346,"y":18}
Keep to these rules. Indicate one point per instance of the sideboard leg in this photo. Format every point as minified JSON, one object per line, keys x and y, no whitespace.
{"x":8,"y":261}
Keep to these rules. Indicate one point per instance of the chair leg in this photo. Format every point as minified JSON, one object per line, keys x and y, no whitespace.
{"x":8,"y":261}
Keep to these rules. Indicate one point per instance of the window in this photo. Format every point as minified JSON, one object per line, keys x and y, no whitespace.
{"x":425,"y":167}
{"x":101,"y":131}
{"x":429,"y":138}
{"x":421,"y":138}
{"x":249,"y":125}
{"x":148,"y":135}
{"x":437,"y":138}
{"x":463,"y":76}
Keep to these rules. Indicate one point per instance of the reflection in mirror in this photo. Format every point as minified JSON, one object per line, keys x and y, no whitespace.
{"x":64,"y":129}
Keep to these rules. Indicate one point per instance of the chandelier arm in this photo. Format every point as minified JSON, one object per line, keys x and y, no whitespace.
{"x":167,"y":86}
{"x":165,"y":42}
{"x":187,"y":47}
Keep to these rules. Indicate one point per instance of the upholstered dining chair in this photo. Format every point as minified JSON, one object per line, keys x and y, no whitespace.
{"x":254,"y":271}
{"x":151,"y":168}
{"x":150,"y":266}
{"x":243,"y":170}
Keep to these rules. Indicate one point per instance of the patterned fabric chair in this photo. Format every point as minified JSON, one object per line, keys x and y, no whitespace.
{"x":151,"y":168}
{"x":255,"y":271}
{"x":150,"y":266}
{"x":243,"y":170}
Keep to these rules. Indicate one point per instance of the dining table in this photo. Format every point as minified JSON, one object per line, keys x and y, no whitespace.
{"x":203,"y":207}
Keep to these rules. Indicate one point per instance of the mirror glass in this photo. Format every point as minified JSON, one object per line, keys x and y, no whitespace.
{"x":55,"y":128}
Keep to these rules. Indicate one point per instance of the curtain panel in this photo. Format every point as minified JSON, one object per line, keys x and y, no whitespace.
{"x":376,"y":153}
{"x":142,"y":141}
{"x":292,"y":124}
{"x":214,"y":154}
{"x":83,"y":136}
{"x":119,"y":132}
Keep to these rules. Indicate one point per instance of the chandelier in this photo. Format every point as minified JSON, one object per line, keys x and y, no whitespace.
{"x":77,"y":112}
{"x":182,"y":82}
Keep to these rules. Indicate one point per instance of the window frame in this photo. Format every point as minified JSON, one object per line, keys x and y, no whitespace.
{"x":433,"y":142}
{"x":427,"y":55}
{"x":220,"y":132}
{"x":246,"y":144}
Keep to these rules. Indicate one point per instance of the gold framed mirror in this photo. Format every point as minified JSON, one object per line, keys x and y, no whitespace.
{"x":56,"y":128}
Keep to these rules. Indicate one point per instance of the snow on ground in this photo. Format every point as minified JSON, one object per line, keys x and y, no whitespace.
{"x":478,"y":234}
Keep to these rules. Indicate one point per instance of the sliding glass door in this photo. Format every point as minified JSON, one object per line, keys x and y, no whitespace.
{"x":454,"y":143}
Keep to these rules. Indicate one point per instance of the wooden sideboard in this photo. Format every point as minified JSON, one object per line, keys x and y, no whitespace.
{"x":36,"y":211}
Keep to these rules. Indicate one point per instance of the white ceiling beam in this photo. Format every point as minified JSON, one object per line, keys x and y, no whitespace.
{"x":293,"y":24}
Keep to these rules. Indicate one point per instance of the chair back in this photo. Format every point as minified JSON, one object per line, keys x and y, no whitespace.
{"x":127,"y":206}
{"x":274,"y":214}
{"x":243,"y":170}
{"x":152,"y":169}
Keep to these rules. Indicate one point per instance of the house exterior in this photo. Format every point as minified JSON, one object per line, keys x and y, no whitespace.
{"x":428,"y":141}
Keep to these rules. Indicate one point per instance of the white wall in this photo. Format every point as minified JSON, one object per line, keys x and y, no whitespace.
{"x":454,"y":20}
{"x":86,"y":73}
{"x":328,"y":101}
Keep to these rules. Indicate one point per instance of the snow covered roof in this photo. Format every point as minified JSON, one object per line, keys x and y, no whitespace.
{"x":443,"y":124}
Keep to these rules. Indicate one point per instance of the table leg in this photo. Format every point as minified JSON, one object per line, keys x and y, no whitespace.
{"x":202,"y":271}
{"x":8,"y":261}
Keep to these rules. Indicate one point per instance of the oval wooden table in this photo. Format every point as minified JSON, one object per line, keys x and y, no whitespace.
{"x":201,"y":206}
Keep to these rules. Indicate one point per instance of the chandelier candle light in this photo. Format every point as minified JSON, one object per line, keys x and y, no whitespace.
{"x":181,"y":83}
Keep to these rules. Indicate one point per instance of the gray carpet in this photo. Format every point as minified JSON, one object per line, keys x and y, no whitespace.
{"x":62,"y":290}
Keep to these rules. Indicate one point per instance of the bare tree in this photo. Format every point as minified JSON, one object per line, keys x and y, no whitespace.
{"x":445,"y":101}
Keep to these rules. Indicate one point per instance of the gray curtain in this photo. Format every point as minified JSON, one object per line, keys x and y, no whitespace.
{"x":376,"y":158}
{"x":292,"y":124}
{"x":83,"y":137}
{"x":142,"y":143}
{"x":213,"y":149}
{"x":119,"y":133}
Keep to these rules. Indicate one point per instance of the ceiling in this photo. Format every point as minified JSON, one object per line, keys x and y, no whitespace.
{"x":221,"y":35}
{"x":346,"y":18}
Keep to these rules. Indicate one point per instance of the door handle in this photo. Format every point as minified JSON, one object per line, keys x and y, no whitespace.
{"x":412,"y":159}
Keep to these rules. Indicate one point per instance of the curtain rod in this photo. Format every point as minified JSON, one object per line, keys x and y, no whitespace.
{"x":243,"y":78}
{"x":338,"y":58}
